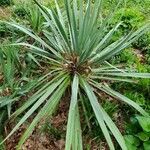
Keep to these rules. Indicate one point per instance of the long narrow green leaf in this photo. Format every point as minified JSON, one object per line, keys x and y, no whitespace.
{"x":98,"y":112}
{"x":124,"y":99}
{"x":126,"y":74}
{"x":60,"y":15}
{"x":106,"y":39}
{"x":55,"y":32}
{"x":119,"y":96}
{"x":7,"y":100}
{"x":73,"y":119}
{"x":78,"y":132}
{"x":115,"y":131}
{"x":38,"y":51}
{"x":37,"y":38}
{"x":113,"y":79}
{"x":119,"y":45}
{"x":47,"y":93}
{"x":59,"y":27}
{"x":46,"y":111}
{"x":34,"y":97}
{"x":97,"y":108}
{"x":72,"y":24}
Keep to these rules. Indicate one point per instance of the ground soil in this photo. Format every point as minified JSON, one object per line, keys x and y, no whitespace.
{"x":5,"y":13}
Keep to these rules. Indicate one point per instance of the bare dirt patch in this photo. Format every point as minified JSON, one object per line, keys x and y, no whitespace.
{"x":5,"y":13}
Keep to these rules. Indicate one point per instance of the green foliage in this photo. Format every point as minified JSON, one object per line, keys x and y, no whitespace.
{"x":20,"y":11}
{"x":131,"y":18}
{"x":52,"y":131}
{"x":143,"y":43}
{"x":145,"y":123}
{"x":132,"y":90}
{"x":31,"y":15}
{"x":74,"y":48}
{"x":2,"y":147}
{"x":144,"y":83}
{"x":5,"y":2}
{"x":127,"y":56}
{"x":2,"y":118}
{"x":142,"y":5}
{"x":35,"y":18}
{"x":137,"y":97}
{"x":8,"y":59}
{"x":132,"y":142}
{"x":138,"y":133}
{"x":4,"y":30}
{"x":8,"y":33}
{"x":91,"y":123}
{"x":110,"y":107}
{"x":148,"y":58}
{"x":14,"y":83}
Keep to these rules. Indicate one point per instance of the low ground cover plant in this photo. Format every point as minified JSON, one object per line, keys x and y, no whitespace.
{"x":76,"y":48}
{"x":138,"y":136}
{"x":5,"y":2}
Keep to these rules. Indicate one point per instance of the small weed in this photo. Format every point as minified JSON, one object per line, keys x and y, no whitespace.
{"x":126,"y":57}
{"x":138,"y":133}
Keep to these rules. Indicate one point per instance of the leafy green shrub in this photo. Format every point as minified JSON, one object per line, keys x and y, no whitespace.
{"x":5,"y":2}
{"x":142,"y":5}
{"x":76,"y":49}
{"x":143,"y":43}
{"x":138,"y":136}
{"x":131,"y":18}
{"x":127,"y":56}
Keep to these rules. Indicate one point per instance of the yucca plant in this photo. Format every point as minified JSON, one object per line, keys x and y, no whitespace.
{"x":77,"y":46}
